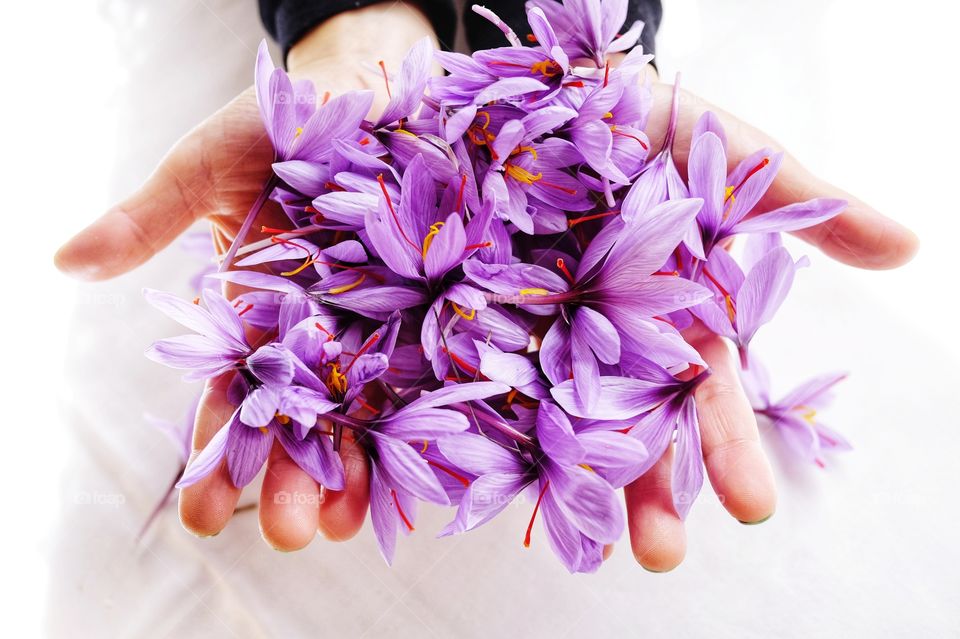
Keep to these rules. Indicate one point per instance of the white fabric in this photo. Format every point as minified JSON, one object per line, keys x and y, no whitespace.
{"x":865,"y":548}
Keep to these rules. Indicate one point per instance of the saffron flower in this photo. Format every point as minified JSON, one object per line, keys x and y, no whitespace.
{"x":794,"y":417}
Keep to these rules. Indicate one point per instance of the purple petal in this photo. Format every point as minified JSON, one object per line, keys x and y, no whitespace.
{"x":247,"y":450}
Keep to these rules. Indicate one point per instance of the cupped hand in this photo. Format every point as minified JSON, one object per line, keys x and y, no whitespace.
{"x":215,"y":172}
{"x":735,"y":462}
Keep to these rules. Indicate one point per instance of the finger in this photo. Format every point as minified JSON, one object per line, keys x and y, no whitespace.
{"x":657,"y":536}
{"x":288,"y":503}
{"x":134,"y":230}
{"x":860,"y":236}
{"x":342,"y":512}
{"x":735,"y":462}
{"x":206,"y":506}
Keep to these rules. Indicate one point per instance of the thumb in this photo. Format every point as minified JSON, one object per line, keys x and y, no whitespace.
{"x":134,"y":230}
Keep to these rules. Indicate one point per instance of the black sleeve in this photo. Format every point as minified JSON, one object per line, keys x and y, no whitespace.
{"x":289,"y":20}
{"x":483,"y":35}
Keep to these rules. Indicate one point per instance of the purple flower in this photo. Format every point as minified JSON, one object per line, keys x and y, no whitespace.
{"x":611,"y":300}
{"x":660,"y":409}
{"x":743,"y":302}
{"x":246,"y":447}
{"x":728,"y":199}
{"x":589,"y":29}
{"x":399,"y":474}
{"x":576,"y":475}
{"x":219,"y":345}
{"x":794,"y":417}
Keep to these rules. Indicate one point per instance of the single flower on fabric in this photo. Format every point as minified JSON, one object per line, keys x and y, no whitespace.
{"x":794,"y":416}
{"x":742,"y":302}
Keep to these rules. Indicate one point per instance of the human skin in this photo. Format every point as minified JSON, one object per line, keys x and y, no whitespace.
{"x":218,"y":169}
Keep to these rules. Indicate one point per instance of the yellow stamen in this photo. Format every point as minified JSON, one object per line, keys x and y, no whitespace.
{"x":348,"y":287}
{"x":299,"y":132}
{"x":336,"y":381}
{"x":283,"y":419}
{"x":534,"y":291}
{"x":426,"y":445}
{"x":809,"y":414}
{"x":731,"y":311}
{"x":608,"y":115}
{"x":521,"y":174}
{"x":308,"y":262}
{"x":529,"y":149}
{"x":405,"y":132}
{"x":263,"y":429}
{"x":428,"y":240}
{"x":467,"y":316}
{"x":547,"y":68}
{"x":729,"y":197}
{"x":587,"y":467}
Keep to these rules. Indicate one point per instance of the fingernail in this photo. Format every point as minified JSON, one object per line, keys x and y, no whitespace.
{"x":656,"y":572}
{"x":754,"y":523}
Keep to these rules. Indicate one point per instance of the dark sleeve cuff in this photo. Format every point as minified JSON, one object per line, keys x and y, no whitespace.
{"x":289,"y":20}
{"x":481,"y":34}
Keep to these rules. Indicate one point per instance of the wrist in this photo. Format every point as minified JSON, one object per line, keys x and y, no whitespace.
{"x":383,"y":31}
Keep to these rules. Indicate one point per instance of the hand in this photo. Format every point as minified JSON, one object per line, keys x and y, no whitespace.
{"x":216,"y":171}
{"x":734,"y":459}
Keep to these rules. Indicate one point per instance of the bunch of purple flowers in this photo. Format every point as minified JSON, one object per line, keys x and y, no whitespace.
{"x":486,"y":285}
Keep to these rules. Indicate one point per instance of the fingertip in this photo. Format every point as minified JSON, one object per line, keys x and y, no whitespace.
{"x":289,"y":500}
{"x":658,"y":538}
{"x":743,"y":480}
{"x":342,"y":513}
{"x":207,"y":506}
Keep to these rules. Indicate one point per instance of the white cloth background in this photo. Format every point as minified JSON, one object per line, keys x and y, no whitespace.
{"x":865,"y":548}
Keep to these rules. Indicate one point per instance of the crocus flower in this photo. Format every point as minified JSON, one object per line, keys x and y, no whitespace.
{"x":590,"y":29}
{"x":612,"y":297}
{"x":794,"y":416}
{"x":743,"y":302}
{"x":580,"y":508}
{"x":219,"y":345}
{"x":728,"y":199}
{"x":398,"y":473}
{"x":662,"y":410}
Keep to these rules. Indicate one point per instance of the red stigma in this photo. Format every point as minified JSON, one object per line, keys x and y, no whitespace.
{"x":248,"y":307}
{"x":531,"y":38}
{"x":551,"y":185}
{"x":326,"y":98}
{"x":463,"y":186}
{"x":587,"y":218}
{"x":386,"y":80}
{"x":606,"y":73}
{"x":393,"y":212}
{"x":764,"y":162}
{"x":536,"y":507}
{"x":574,"y":83}
{"x":363,"y":349}
{"x":396,"y":502}
{"x":459,"y":361}
{"x":632,"y":137}
{"x":460,"y":478}
{"x":481,"y":245}
{"x":563,"y":269}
